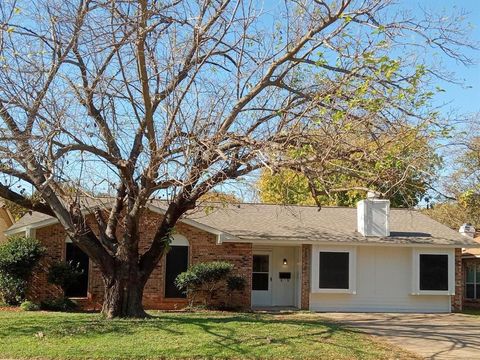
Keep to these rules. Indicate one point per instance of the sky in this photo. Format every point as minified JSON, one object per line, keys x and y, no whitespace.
{"x":463,"y":98}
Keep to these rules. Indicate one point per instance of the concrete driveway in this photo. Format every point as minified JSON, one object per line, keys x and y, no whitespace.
{"x":432,"y":336}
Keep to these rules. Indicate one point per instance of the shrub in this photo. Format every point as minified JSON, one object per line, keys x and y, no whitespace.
{"x":59,"y":304}
{"x":18,"y":257}
{"x":64,"y":274}
{"x":12,"y":289}
{"x":204,"y":278}
{"x":29,"y":306}
{"x":236,"y":283}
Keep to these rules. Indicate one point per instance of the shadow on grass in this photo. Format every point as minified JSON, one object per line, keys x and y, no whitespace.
{"x":239,"y":333}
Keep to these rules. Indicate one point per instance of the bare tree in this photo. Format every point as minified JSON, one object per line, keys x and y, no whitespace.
{"x":172,"y":98}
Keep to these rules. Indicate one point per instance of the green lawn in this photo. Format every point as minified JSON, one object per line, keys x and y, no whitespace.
{"x":471,"y":311}
{"x":184,"y":335}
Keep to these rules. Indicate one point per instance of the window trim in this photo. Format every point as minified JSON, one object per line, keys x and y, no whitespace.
{"x":416,"y":271}
{"x":352,"y":269}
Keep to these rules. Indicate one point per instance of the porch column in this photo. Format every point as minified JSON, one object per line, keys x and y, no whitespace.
{"x":305,"y":292}
{"x":457,"y":299}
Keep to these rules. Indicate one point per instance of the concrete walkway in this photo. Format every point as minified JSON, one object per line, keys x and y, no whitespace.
{"x":432,"y":336}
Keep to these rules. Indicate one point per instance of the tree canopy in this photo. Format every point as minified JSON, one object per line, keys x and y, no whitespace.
{"x":406,"y":164}
{"x":462,"y":186}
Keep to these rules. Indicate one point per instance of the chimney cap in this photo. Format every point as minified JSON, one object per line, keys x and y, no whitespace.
{"x":467,"y":230}
{"x":371,"y":194}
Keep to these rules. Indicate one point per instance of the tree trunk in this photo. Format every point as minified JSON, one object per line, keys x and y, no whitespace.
{"x":123,"y":295}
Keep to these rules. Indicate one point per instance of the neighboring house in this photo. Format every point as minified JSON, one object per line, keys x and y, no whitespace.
{"x":372,"y":258}
{"x":6,"y":220}
{"x":471,"y":276}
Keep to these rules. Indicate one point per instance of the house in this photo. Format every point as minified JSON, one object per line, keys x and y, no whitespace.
{"x":371,"y":258}
{"x":6,"y":220}
{"x":471,"y":270}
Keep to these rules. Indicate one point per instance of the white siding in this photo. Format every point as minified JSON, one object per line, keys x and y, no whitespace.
{"x":383,"y":283}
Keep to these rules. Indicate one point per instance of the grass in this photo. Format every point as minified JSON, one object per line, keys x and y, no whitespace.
{"x":471,"y":311}
{"x":47,"y":335}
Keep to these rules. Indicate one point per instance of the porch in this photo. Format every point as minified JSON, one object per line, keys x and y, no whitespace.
{"x":276,"y":277}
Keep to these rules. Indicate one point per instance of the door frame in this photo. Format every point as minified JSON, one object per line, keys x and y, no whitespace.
{"x":270,"y":285}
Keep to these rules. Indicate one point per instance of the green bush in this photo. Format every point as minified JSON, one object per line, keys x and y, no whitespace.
{"x":29,"y":306}
{"x":205,"y":278}
{"x":18,"y":256}
{"x":59,"y":304}
{"x":236,"y":283}
{"x":12,"y":289}
{"x":64,"y":274}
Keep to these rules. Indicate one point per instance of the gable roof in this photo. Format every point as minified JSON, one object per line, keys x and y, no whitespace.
{"x":299,"y":224}
{"x":308,"y":224}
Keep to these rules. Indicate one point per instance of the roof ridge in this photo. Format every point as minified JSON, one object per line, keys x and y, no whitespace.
{"x":292,"y":205}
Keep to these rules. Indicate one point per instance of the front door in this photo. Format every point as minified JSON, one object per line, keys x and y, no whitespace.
{"x":262,"y":279}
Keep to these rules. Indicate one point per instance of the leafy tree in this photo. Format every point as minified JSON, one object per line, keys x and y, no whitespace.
{"x":171,"y":99}
{"x":220,"y":197}
{"x":462,"y":187}
{"x":408,"y":164}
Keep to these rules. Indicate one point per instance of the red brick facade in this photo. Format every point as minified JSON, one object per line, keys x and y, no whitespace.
{"x":202,"y":247}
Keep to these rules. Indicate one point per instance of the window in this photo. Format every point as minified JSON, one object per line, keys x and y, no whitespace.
{"x":260,"y":272}
{"x":472,"y":281}
{"x":176,"y":263}
{"x":334,"y":270}
{"x":434,"y":272}
{"x":75,"y":255}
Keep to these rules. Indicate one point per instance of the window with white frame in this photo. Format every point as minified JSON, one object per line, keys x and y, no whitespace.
{"x":472,"y":281}
{"x":333,"y":269}
{"x":434,"y":272}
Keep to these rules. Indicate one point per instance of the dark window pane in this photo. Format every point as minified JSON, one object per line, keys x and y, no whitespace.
{"x":433,"y":272}
{"x":76,"y":256}
{"x":334,"y":270}
{"x":469,"y":291}
{"x":260,"y":263}
{"x":470,"y":278}
{"x":478,"y":291}
{"x":177,"y":262}
{"x":260,"y":281}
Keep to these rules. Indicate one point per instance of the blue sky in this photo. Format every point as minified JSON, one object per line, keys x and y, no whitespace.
{"x":464,"y":98}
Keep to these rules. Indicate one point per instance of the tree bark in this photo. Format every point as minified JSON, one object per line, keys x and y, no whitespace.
{"x":123,"y":293}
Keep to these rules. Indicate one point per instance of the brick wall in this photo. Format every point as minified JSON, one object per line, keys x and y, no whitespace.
{"x":305,"y":291}
{"x":203,"y":247}
{"x":457,"y":299}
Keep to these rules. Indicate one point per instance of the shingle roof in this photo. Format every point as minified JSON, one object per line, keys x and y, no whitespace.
{"x":308,"y":224}
{"x":330,"y":224}
{"x":472,"y":253}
